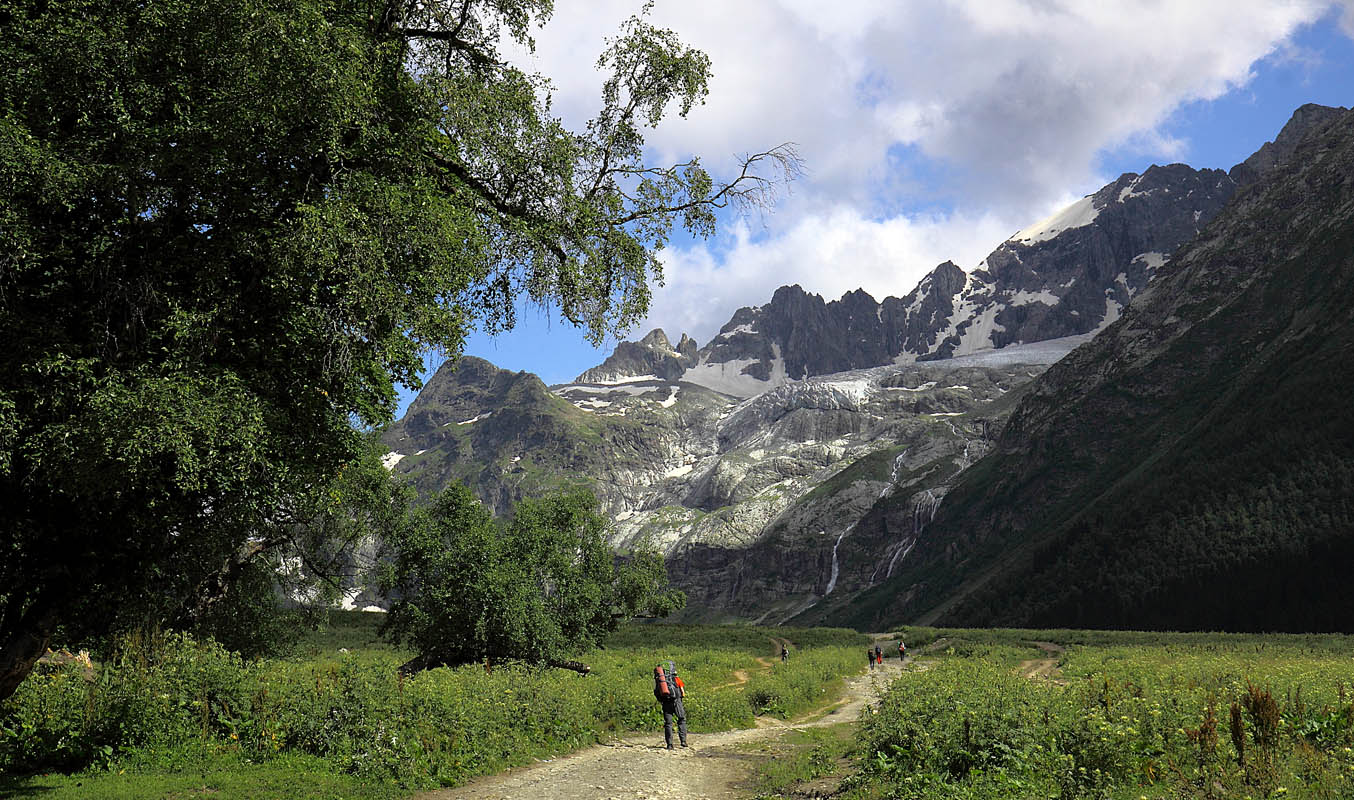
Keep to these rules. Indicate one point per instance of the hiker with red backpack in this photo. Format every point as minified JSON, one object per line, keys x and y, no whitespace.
{"x":669,"y":690}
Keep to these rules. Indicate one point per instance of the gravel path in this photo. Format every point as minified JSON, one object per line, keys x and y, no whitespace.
{"x":717,"y":765}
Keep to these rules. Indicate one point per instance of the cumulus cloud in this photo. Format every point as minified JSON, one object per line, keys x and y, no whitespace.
{"x":1347,"y":18}
{"x":829,"y":253}
{"x":992,"y":111}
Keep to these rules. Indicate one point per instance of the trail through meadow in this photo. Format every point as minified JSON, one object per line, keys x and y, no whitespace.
{"x":640,"y":767}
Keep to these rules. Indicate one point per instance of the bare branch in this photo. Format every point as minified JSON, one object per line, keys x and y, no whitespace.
{"x":748,"y":189}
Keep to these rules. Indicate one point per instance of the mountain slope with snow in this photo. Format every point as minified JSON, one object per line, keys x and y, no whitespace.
{"x":1191,"y":467}
{"x":797,"y":458}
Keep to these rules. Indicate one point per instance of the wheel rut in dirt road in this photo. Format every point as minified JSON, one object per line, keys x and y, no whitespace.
{"x":1043,"y":668}
{"x":639,"y":767}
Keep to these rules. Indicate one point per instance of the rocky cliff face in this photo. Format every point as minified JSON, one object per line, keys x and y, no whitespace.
{"x":652,"y":357}
{"x":797,"y":458}
{"x":752,"y":500}
{"x":1070,"y":274}
{"x":1190,"y":467}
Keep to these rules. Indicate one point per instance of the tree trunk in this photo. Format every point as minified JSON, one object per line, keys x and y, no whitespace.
{"x":576,"y":666}
{"x":216,"y":586}
{"x":24,"y":645}
{"x":420,"y":663}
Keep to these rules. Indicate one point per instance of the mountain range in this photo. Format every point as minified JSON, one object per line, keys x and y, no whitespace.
{"x":1191,"y":467}
{"x":792,"y":466}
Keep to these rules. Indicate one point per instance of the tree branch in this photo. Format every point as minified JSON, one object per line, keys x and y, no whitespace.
{"x":451,"y":37}
{"x":785,"y":158}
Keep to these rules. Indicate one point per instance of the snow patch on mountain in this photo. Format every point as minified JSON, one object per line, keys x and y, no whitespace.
{"x":978,"y":336}
{"x":1078,"y":215}
{"x":728,"y":377}
{"x":617,"y":380}
{"x":744,"y":328}
{"x":1151,"y":259}
{"x":1045,"y":352}
{"x":1131,"y":190}
{"x":1024,"y":297}
{"x":1113,"y":310}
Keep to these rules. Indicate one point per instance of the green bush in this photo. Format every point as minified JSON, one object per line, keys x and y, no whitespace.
{"x":160,"y":696}
{"x":155,"y":689}
{"x":1140,"y":715}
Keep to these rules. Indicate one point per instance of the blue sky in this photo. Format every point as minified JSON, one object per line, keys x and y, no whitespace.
{"x":930,"y":131}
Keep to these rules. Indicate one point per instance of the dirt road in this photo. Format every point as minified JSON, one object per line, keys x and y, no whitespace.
{"x":641,"y":768}
{"x":1044,"y":668}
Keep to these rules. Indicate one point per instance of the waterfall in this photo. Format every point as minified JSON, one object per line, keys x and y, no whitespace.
{"x":900,"y":552}
{"x":832,"y":579}
{"x":931,"y":502}
{"x":885,"y":492}
{"x":922,"y":513}
{"x":893,"y":475}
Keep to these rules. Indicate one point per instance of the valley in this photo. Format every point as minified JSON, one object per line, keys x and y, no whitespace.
{"x":415,"y":399}
{"x":791,"y":468}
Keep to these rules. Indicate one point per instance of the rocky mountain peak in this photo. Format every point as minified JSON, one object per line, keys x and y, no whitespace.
{"x":652,"y":356}
{"x":656,"y":339}
{"x":1305,"y":119}
{"x":1168,"y":433}
{"x":1069,"y":274}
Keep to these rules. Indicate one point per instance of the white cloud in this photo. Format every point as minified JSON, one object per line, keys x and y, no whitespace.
{"x":1347,"y":17}
{"x":828,"y":253}
{"x":1000,"y":107}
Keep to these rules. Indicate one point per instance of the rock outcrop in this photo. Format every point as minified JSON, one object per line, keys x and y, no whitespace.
{"x":798,"y":457}
{"x":1190,"y":467}
{"x":1067,"y":275}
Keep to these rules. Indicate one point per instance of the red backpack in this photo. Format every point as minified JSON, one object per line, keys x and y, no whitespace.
{"x":666,"y":683}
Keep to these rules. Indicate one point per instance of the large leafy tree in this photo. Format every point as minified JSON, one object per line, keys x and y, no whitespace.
{"x":227,"y":228}
{"x":539,"y":588}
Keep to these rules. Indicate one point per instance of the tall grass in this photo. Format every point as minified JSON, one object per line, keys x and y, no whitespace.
{"x":161,"y":694}
{"x":1138,"y":716}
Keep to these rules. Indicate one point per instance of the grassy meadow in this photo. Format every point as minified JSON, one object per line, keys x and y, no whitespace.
{"x":1121,"y":715}
{"x":167,"y":716}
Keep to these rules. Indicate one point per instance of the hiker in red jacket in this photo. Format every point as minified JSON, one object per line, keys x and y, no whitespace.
{"x":669,"y":690}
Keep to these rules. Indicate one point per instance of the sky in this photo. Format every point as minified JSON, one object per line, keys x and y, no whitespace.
{"x":930,"y":131}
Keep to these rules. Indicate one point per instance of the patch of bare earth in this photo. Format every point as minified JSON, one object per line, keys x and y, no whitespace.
{"x":1044,"y":668}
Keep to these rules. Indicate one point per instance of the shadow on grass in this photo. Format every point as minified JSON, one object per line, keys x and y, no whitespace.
{"x":25,"y":786}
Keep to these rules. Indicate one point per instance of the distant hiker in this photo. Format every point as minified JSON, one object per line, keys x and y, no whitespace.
{"x":669,"y":691}
{"x":784,"y":654}
{"x":902,"y":650}
{"x":869,"y":656}
{"x":878,"y":655}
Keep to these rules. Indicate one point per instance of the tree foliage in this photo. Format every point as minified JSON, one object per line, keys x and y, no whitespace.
{"x":286,"y":576}
{"x":228,"y":228}
{"x":539,"y":588}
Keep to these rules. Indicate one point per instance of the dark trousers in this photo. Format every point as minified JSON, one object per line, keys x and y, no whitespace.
{"x":674,"y":708}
